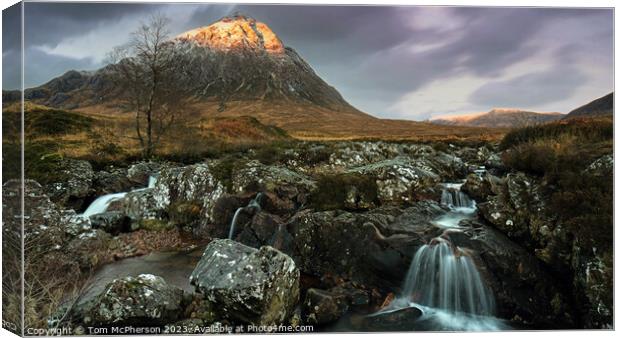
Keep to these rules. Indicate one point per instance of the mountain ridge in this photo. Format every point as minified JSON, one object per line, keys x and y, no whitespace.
{"x":499,"y":118}
{"x":602,"y":106}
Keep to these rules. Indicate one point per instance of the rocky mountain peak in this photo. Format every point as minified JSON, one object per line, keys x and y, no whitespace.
{"x":236,"y":32}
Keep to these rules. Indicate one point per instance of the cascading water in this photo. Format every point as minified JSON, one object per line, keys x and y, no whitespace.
{"x":102,"y":203}
{"x":152,"y":182}
{"x":453,"y":197}
{"x":442,"y":276}
{"x":443,"y":280}
{"x":253,"y":205}
{"x":460,"y":205}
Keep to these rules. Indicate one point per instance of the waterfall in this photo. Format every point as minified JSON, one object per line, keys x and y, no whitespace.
{"x":102,"y":203}
{"x":152,"y":182}
{"x":454,"y":198}
{"x":460,"y":205}
{"x":254,"y":205}
{"x":442,"y":276}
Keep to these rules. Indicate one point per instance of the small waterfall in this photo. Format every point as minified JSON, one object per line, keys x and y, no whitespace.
{"x":442,"y":276}
{"x":152,"y":182}
{"x":102,"y":203}
{"x":254,"y":205}
{"x":453,"y":197}
{"x":460,"y":205}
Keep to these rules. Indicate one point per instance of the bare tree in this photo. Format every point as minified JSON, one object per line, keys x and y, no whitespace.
{"x":150,"y":77}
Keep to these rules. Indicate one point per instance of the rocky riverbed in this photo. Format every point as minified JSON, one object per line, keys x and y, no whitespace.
{"x":324,"y":235}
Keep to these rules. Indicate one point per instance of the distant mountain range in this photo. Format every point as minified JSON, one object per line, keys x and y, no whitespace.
{"x":600,"y":106}
{"x":499,"y":118}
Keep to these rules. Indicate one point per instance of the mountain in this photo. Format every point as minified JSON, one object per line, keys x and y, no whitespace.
{"x":600,"y":106}
{"x":244,"y":69}
{"x":499,"y":118}
{"x":240,"y":59}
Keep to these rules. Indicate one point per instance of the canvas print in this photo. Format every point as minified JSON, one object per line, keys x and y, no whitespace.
{"x":196,"y":168}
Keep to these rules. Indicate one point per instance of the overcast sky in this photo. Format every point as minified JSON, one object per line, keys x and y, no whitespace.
{"x":395,"y":62}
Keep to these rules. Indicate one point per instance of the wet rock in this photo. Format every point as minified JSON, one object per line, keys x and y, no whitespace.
{"x":490,"y":159}
{"x":255,"y":176}
{"x":593,"y":278}
{"x":260,"y":229}
{"x":395,"y":320}
{"x":41,"y":216}
{"x":448,"y":166}
{"x":399,"y":180}
{"x":518,"y":210}
{"x":112,"y":222}
{"x":223,"y":212}
{"x":111,"y":181}
{"x":521,"y":284}
{"x":140,"y":301}
{"x":195,"y":184}
{"x":322,"y":307}
{"x":357,"y":247}
{"x":354,"y":154}
{"x":141,"y":205}
{"x":480,"y":187}
{"x":76,"y":184}
{"x":353,"y":293}
{"x":74,"y":224}
{"x":255,"y":286}
{"x":140,"y":173}
{"x":280,"y":202}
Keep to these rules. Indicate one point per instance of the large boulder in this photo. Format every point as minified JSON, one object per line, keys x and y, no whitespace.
{"x":355,"y":154}
{"x":77,"y":179}
{"x":113,"y":222}
{"x":254,"y":176}
{"x":520,"y":211}
{"x":194,"y":184}
{"x":373,"y":248}
{"x":138,"y":301}
{"x":111,"y":181}
{"x":248,"y":285}
{"x":400,"y":180}
{"x":140,"y":173}
{"x":141,"y":205}
{"x":480,"y":187}
{"x":322,"y":307}
{"x":42,"y":218}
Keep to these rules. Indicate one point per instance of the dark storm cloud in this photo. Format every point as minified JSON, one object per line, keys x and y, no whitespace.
{"x":526,"y":89}
{"x":11,"y":42}
{"x":50,"y":23}
{"x":374,"y":55}
{"x":38,"y":64}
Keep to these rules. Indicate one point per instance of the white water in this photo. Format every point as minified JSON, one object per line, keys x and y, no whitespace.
{"x":102,"y":203}
{"x":254,"y":204}
{"x":455,"y":199}
{"x":152,"y":182}
{"x":460,"y":205}
{"x":443,"y":280}
{"x":442,"y":276}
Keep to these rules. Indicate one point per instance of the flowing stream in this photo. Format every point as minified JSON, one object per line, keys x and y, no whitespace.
{"x":254,"y":205}
{"x":461,"y":206}
{"x":102,"y":203}
{"x":443,"y":280}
